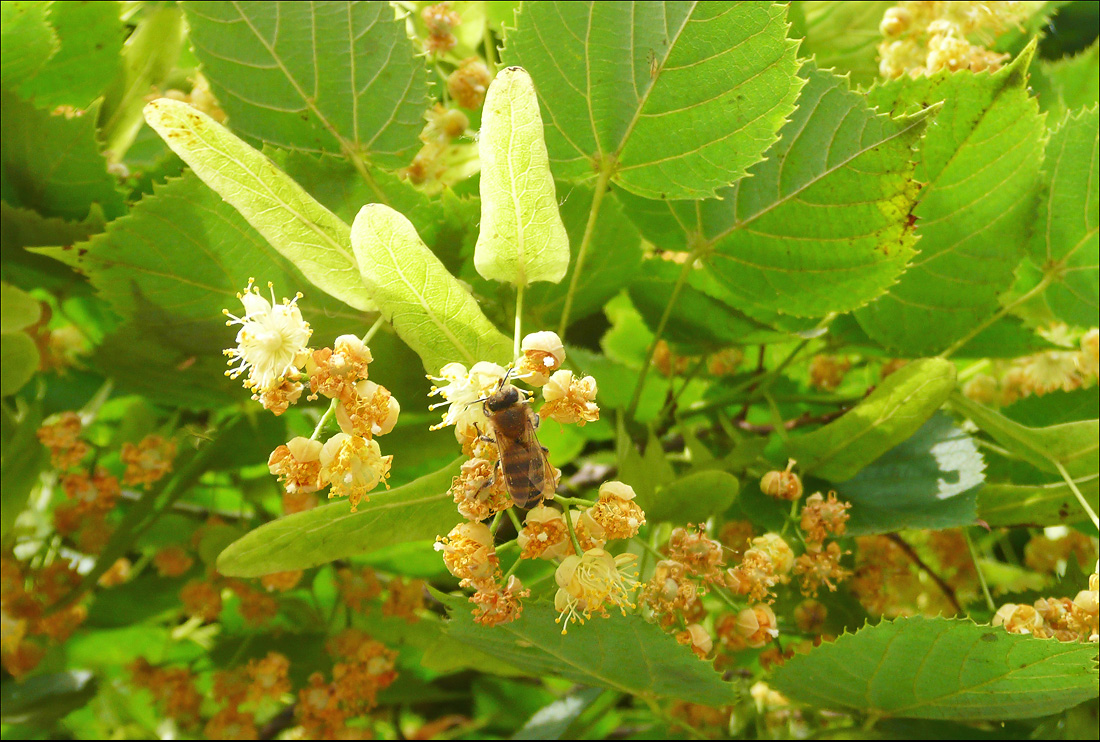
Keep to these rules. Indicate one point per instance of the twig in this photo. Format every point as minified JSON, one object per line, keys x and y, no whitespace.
{"x":947,"y":590}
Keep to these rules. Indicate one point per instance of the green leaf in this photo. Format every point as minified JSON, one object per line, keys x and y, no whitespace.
{"x":624,"y":653}
{"x":552,"y":721}
{"x":421,"y":509}
{"x":20,"y":361}
{"x":610,"y":265}
{"x":23,"y":228}
{"x":832,"y":199}
{"x":320,"y":77}
{"x":298,"y":227}
{"x":428,"y":307}
{"x":149,"y":56}
{"x":1074,"y":80}
{"x":673,"y":100}
{"x":43,"y":700}
{"x":979,"y":160}
{"x":91,"y":35}
{"x":52,"y":164}
{"x":937,"y":668}
{"x":18,"y":309}
{"x":169,"y":268}
{"x":930,"y":481}
{"x":645,"y":472}
{"x":892,"y":413}
{"x":698,"y":323}
{"x":28,"y":41}
{"x":1066,"y":240}
{"x":23,"y":459}
{"x":522,"y":237}
{"x":1070,"y":445}
{"x":845,"y":37}
{"x":1054,"y":407}
{"x":693,"y":498}
{"x":1037,"y":505}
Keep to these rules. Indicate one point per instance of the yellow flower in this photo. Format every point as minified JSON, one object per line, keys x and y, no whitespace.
{"x":543,"y":354}
{"x":587,"y":583}
{"x":354,"y":466}
{"x":271,"y":340}
{"x":464,"y":392}
{"x":570,"y":400}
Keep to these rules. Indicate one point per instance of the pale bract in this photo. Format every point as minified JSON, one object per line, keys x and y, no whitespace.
{"x":522,"y":236}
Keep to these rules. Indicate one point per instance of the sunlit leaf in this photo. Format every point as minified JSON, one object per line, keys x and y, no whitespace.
{"x":421,"y":509}
{"x":1066,"y":243}
{"x":302,"y":230}
{"x":890,"y":414}
{"x":431,"y":311}
{"x":522,"y":238}
{"x":979,"y":160}
{"x":833,"y":199}
{"x":937,"y":668}
{"x":332,"y":77}
{"x":675,"y":100}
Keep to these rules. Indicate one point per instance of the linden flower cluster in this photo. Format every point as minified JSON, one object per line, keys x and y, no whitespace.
{"x":1064,"y":619}
{"x":271,"y":348}
{"x":589,"y":578}
{"x":695,"y":565}
{"x":922,"y":38}
{"x":28,"y":613}
{"x":91,"y":492}
{"x":1039,"y":374}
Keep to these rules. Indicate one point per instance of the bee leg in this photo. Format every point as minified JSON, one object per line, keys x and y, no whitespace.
{"x":492,"y":480}
{"x":481,"y":436}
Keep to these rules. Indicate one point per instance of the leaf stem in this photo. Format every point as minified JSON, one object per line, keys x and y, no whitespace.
{"x":978,"y":568}
{"x":685,"y":271}
{"x":582,"y":252}
{"x":490,"y":49}
{"x":1077,"y":493}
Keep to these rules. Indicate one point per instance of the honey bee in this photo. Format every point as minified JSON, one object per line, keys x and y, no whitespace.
{"x":523,"y":463}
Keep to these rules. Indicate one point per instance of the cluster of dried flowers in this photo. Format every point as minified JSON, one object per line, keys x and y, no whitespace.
{"x":1039,"y":374}
{"x":38,"y":604}
{"x":695,"y":565}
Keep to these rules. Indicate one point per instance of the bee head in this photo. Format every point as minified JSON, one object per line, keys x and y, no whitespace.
{"x":503,"y":399}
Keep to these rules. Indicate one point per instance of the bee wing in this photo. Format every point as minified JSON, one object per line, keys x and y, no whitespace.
{"x":524,"y":466}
